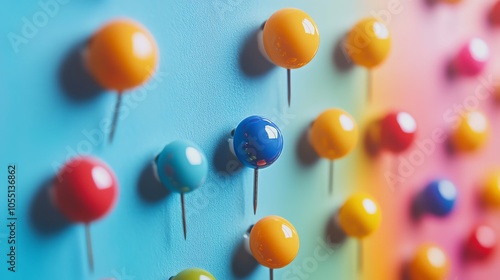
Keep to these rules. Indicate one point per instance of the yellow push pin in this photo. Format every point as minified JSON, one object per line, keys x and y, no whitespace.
{"x":368,"y":44}
{"x":490,"y":194}
{"x":121,"y":55}
{"x":290,"y":39}
{"x":472,"y":132}
{"x":333,"y":135}
{"x":274,"y":243}
{"x":359,"y":217}
{"x":430,"y":262}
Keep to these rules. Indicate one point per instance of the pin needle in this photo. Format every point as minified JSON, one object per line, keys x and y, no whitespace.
{"x":183,"y":215}
{"x":89,"y":247}
{"x":255,"y":190}
{"x":289,"y":80}
{"x":115,"y":117}
{"x":331,"y":177}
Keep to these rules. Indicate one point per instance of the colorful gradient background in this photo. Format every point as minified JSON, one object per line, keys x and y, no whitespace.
{"x":209,"y":79}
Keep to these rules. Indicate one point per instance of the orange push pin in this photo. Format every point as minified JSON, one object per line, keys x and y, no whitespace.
{"x":368,"y":45}
{"x":472,"y":132}
{"x":290,"y":39}
{"x":359,"y":217}
{"x":274,"y":243}
{"x":333,"y":135}
{"x":430,"y":262}
{"x":121,"y":55}
{"x":490,"y":193}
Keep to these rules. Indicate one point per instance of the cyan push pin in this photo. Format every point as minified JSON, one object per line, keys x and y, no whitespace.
{"x":181,"y":167}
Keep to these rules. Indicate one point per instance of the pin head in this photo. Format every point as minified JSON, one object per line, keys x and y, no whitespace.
{"x":482,"y":242}
{"x":290,"y":38}
{"x":398,"y":131}
{"x":472,"y":58}
{"x":257,"y":142}
{"x":274,"y":242}
{"x":439,"y":197}
{"x":359,"y":216}
{"x":472,"y":132}
{"x":491,"y":190}
{"x":333,"y":134}
{"x":85,"y":189}
{"x":181,"y":166}
{"x":368,"y":44}
{"x":429,"y":262}
{"x":122,"y":55}
{"x":193,"y":274}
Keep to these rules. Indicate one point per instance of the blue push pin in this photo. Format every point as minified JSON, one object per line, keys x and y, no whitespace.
{"x":181,"y":167}
{"x":257,"y":142}
{"x":439,"y":197}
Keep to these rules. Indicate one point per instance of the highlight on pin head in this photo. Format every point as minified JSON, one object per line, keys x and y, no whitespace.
{"x":193,"y":274}
{"x":274,"y":242}
{"x":334,"y":134}
{"x":471,"y":133}
{"x":122,"y":55}
{"x":429,"y":262}
{"x":85,"y":189}
{"x":290,"y":38}
{"x":257,"y":142}
{"x":181,"y":166}
{"x":471,"y":58}
{"x":359,"y":216}
{"x":368,"y":44}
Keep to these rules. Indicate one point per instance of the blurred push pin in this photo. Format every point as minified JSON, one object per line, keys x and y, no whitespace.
{"x":181,"y":167}
{"x":398,"y":130}
{"x":494,"y":16}
{"x":368,"y":45}
{"x":274,"y":243}
{"x":472,"y":58}
{"x":438,"y":198}
{"x":257,"y":143}
{"x":85,"y":190}
{"x":193,"y":274}
{"x":121,"y":55}
{"x":490,"y":193}
{"x":481,"y":243}
{"x":333,"y":135}
{"x":472,"y":132}
{"x":359,"y":217}
{"x":290,"y":39}
{"x":430,"y":263}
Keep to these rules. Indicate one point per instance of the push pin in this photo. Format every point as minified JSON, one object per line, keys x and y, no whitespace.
{"x":257,"y":143}
{"x":274,"y":243}
{"x":481,"y":243}
{"x":121,"y":55}
{"x":472,"y":132}
{"x":182,"y":168}
{"x":490,"y":193}
{"x":333,"y":135}
{"x":85,"y":190}
{"x":359,"y":217}
{"x":494,"y":16}
{"x":193,"y":274}
{"x":430,"y":262}
{"x":290,"y":39}
{"x":368,"y":45}
{"x":438,"y":198}
{"x":472,"y":58}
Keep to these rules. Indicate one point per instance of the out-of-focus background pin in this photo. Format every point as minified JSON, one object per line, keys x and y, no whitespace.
{"x":122,"y":55}
{"x":472,"y":58}
{"x":85,"y":190}
{"x":472,"y":132}
{"x":193,"y":274}
{"x":429,"y":262}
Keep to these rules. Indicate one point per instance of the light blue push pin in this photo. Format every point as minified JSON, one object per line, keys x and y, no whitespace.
{"x":181,"y":167}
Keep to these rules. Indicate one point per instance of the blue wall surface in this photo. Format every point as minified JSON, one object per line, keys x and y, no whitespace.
{"x":210,"y":77}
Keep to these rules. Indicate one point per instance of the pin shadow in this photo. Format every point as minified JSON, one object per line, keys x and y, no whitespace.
{"x":149,"y":188}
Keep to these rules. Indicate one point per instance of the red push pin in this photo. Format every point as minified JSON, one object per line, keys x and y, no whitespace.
{"x":395,"y":132}
{"x":85,"y":190}
{"x":482,"y":242}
